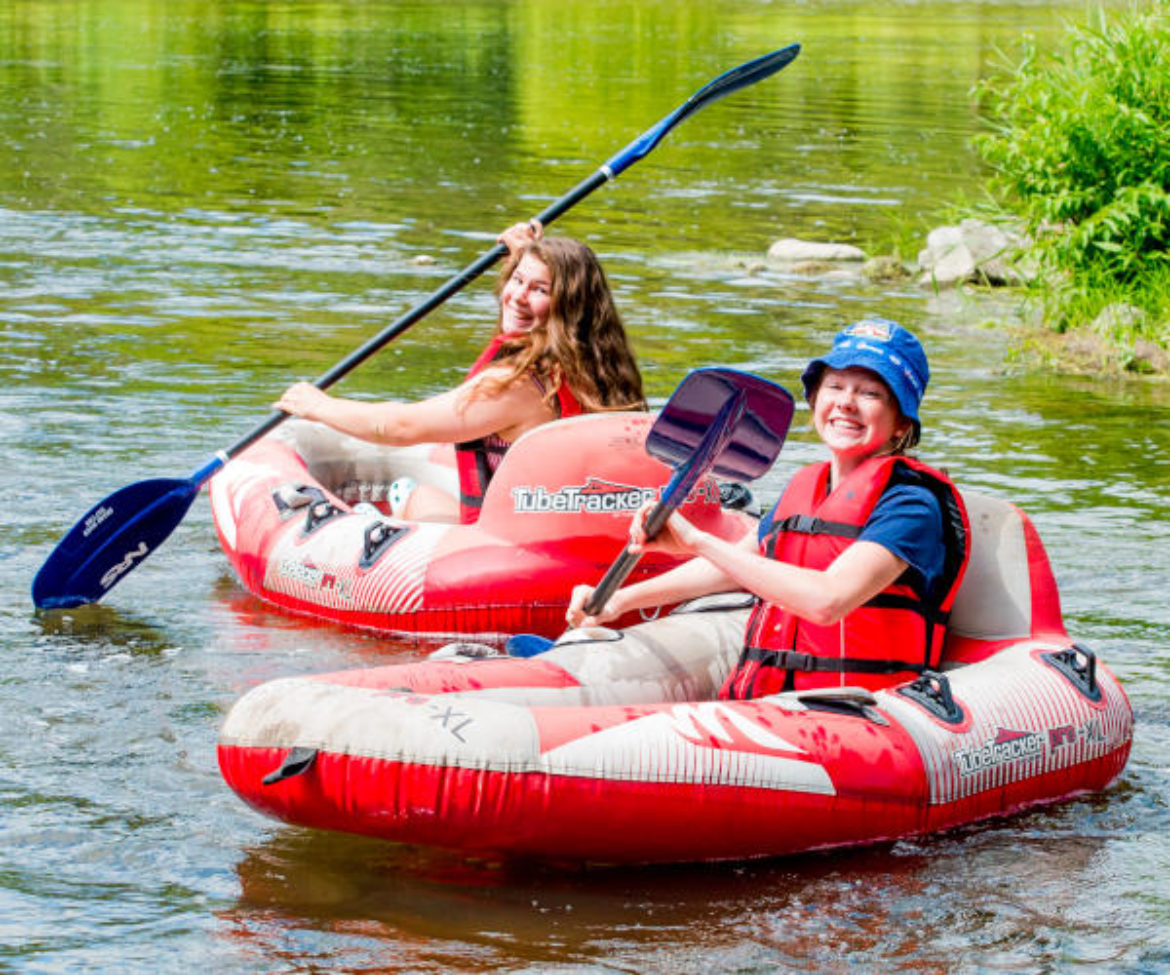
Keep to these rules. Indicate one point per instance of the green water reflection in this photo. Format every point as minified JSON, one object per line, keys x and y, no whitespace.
{"x":201,"y":200}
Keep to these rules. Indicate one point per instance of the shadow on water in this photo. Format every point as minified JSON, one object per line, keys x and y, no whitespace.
{"x":99,"y":625}
{"x":1014,"y":890}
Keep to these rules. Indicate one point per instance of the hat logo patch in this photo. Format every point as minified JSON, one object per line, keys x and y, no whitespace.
{"x":869,"y":328}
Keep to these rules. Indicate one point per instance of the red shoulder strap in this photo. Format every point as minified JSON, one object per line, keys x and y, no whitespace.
{"x":567,"y":403}
{"x":491,"y":350}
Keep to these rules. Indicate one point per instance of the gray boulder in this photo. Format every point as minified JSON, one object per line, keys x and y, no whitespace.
{"x":789,"y":250}
{"x":973,"y":252}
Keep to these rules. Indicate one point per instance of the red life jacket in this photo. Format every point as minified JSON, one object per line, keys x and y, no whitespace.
{"x":477,"y":460}
{"x":893,"y":636}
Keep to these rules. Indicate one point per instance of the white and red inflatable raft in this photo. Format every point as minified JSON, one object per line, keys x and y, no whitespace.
{"x":302,"y":517}
{"x":612,"y":747}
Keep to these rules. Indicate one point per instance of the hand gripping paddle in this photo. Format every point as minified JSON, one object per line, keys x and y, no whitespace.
{"x":116,"y":534}
{"x":720,"y":420}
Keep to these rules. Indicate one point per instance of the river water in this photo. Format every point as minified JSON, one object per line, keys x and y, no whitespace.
{"x":200,"y":202}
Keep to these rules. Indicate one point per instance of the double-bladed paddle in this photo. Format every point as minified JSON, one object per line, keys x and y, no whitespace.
{"x":117,"y":533}
{"x":724,"y":421}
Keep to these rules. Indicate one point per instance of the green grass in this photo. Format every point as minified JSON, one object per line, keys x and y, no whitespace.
{"x":1079,"y":147}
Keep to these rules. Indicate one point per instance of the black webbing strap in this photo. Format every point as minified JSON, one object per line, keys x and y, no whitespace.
{"x":795,"y":660}
{"x":811,"y":525}
{"x":480,"y":449}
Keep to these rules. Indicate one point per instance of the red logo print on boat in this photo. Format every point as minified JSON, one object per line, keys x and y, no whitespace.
{"x":1007,"y":746}
{"x":309,"y":575}
{"x":710,"y":724}
{"x":1090,"y":733}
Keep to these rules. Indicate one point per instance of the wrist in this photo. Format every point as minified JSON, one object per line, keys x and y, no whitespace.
{"x":703,"y":544}
{"x":616,"y":604}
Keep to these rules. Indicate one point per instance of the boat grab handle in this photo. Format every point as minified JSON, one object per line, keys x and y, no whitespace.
{"x":378,"y":538}
{"x":1079,"y":665}
{"x":932,"y":691}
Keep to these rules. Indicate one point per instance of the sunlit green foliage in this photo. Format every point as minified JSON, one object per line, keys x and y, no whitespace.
{"x":1080,"y":148}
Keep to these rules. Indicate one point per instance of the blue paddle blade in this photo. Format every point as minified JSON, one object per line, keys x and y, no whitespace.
{"x":728,"y":82}
{"x":755,"y":438}
{"x":526,"y":645}
{"x":112,"y":538}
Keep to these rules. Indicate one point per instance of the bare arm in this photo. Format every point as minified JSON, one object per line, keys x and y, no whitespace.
{"x":451,"y":417}
{"x":819,"y":596}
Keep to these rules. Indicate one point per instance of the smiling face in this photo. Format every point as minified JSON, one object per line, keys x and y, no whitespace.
{"x":526,"y":296}
{"x":856,"y":416}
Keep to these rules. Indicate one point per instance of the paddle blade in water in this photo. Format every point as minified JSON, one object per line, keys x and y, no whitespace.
{"x":112,"y":538}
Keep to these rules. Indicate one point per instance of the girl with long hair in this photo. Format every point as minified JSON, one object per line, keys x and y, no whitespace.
{"x":559,"y":349}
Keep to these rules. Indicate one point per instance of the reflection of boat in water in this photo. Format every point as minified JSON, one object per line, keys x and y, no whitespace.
{"x":612,"y":747}
{"x":556,"y":513}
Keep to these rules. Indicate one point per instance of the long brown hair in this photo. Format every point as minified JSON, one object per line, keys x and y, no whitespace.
{"x":583,"y":342}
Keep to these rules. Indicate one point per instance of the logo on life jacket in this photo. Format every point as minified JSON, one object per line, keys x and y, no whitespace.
{"x":595,"y":496}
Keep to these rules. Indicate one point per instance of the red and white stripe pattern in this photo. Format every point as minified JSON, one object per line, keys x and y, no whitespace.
{"x":1023,"y":719}
{"x":392,"y":585}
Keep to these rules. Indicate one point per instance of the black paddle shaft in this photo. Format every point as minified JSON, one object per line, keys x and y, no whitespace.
{"x":436,"y":298}
{"x":730,"y":81}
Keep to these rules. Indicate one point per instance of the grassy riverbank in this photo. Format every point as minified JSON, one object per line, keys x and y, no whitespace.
{"x":1078,"y":143}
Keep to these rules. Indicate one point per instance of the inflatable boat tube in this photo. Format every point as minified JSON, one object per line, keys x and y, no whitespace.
{"x":612,"y":747}
{"x":304,"y":520}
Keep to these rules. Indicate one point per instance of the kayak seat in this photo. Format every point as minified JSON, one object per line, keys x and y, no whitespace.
{"x":359,"y":472}
{"x":1008,"y":592}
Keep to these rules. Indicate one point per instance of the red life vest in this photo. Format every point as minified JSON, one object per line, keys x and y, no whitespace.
{"x":477,"y":460}
{"x":895,"y":635}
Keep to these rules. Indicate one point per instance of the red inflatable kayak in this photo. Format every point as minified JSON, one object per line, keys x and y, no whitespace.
{"x":556,"y":514}
{"x":612,"y":746}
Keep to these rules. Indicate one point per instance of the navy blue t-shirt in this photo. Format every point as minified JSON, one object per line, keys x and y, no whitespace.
{"x":906,"y":521}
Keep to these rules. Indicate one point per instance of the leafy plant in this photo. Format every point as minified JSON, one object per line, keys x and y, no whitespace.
{"x":1079,"y":145}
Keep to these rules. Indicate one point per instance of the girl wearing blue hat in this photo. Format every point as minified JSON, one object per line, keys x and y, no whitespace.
{"x":856,"y":567}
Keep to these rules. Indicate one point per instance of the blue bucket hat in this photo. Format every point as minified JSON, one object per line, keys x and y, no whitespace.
{"x":883,"y":347}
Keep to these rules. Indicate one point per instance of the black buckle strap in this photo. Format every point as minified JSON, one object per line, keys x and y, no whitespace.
{"x":796,"y":660}
{"x":811,"y":525}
